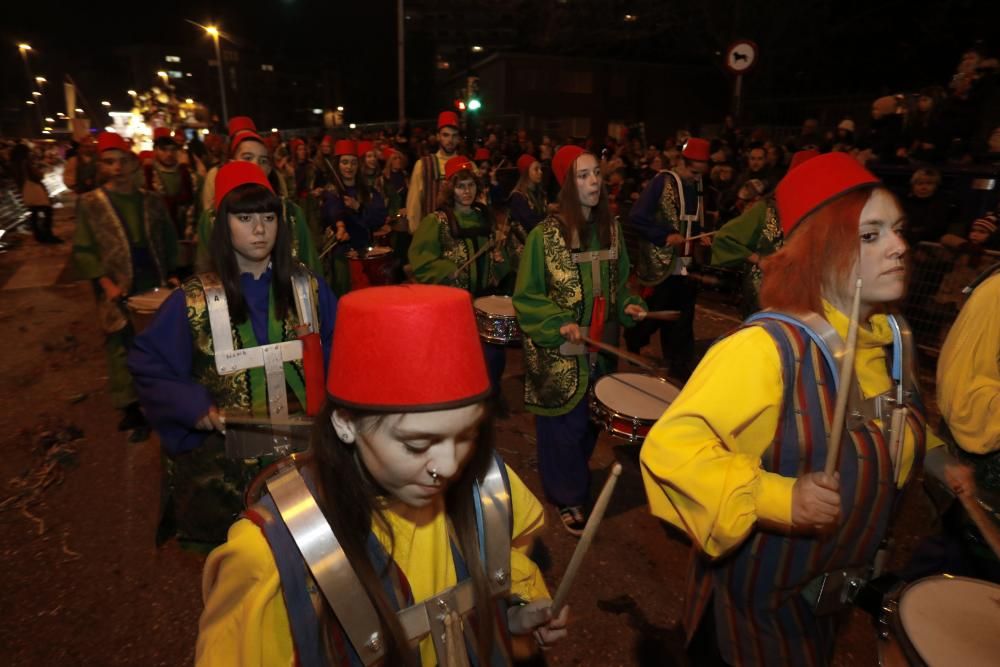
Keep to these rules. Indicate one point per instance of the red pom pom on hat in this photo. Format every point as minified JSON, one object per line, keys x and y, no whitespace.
{"x":345,"y":147}
{"x":447,"y":119}
{"x":524,"y":163}
{"x":815,"y":183}
{"x":111,"y":141}
{"x":696,"y":149}
{"x":437,"y":365}
{"x":457,"y":164}
{"x":236,"y":173}
{"x":563,"y":160}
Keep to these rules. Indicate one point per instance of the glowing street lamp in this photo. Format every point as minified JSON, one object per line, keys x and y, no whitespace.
{"x":105,"y":103}
{"x":40,"y":80}
{"x":132,"y":93}
{"x":24,"y":47}
{"x":213,"y":32}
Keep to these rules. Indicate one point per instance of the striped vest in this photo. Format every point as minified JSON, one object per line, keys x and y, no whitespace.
{"x":760,"y":614}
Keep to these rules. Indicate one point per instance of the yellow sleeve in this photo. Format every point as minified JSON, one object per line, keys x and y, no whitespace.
{"x":701,"y":461}
{"x":415,"y":195}
{"x":245,"y":621}
{"x":968,"y":376}
{"x":529,"y":517}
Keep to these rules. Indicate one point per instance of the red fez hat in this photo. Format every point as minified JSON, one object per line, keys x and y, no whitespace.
{"x":563,"y":160}
{"x":387,"y":153}
{"x":161,"y":133}
{"x":111,"y":141}
{"x":802,"y":156}
{"x":213,"y":141}
{"x":241,"y":124}
{"x":696,"y":149}
{"x":272,"y":142}
{"x":481,"y":155}
{"x":236,"y":173}
{"x":364,"y":147}
{"x":179,"y":137}
{"x":817,"y":182}
{"x":524,"y":163}
{"x":145,"y":156}
{"x":244,"y":135}
{"x":294,"y":144}
{"x":457,"y":164}
{"x":371,"y":370}
{"x":447,"y":119}
{"x":327,"y":140}
{"x":344,"y":147}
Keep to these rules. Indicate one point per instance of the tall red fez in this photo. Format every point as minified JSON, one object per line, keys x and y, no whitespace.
{"x":524,"y":163}
{"x":370,"y":369}
{"x":387,"y":153}
{"x":241,"y":124}
{"x":448,"y":119}
{"x":111,"y":141}
{"x":815,"y":183}
{"x":294,"y":144}
{"x":696,"y":149}
{"x":344,"y":147}
{"x":364,"y":147}
{"x":327,"y":140}
{"x":802,"y":156}
{"x":236,"y":173}
{"x":481,"y":155}
{"x":244,"y":135}
{"x":161,"y":133}
{"x":179,"y":137}
{"x":457,"y":164}
{"x":563,"y":161}
{"x":146,"y":156}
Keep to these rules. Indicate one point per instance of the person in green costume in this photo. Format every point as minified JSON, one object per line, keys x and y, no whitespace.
{"x":571,"y":282}
{"x":247,"y":146}
{"x":125,"y":243}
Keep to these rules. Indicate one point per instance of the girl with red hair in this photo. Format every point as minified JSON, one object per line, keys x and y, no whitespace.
{"x":737,"y":461}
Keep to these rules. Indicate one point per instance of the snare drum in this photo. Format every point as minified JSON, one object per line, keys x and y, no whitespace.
{"x":496,"y":320}
{"x":942,"y":621}
{"x":628,"y":404}
{"x":142,"y":307}
{"x":373,"y":267}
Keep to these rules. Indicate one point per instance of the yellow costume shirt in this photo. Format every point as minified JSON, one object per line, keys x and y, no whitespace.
{"x":245,"y":622}
{"x":701,"y":462}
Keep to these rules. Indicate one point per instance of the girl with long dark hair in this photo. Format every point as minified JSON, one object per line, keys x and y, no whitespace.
{"x":426,"y":525}
{"x":248,"y":340}
{"x":560,"y":296}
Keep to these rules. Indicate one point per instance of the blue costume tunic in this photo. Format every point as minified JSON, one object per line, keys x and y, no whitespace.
{"x":359,"y":224}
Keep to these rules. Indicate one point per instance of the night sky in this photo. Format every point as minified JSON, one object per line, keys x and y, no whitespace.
{"x":809,"y":48}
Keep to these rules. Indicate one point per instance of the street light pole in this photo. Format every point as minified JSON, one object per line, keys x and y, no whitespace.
{"x":400,"y":62}
{"x":24,"y":48}
{"x":214,"y":32}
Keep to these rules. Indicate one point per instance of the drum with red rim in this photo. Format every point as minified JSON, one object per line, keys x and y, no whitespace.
{"x":628,"y":404}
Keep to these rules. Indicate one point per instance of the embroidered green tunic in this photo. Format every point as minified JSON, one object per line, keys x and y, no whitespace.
{"x":552,"y":291}
{"x":756,"y":230}
{"x":657,"y":262}
{"x":435,"y":254}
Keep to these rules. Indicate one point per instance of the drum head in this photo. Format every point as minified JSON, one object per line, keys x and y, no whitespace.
{"x":636,"y":394}
{"x":378,"y":251}
{"x":952,"y":621}
{"x":495,"y":305}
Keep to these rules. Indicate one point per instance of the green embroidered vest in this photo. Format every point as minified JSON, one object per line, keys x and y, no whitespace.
{"x":243,"y":391}
{"x":459,"y":251}
{"x":657,"y":262}
{"x":553,"y":382}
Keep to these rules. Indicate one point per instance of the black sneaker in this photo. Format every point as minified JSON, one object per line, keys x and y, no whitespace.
{"x":574,"y":519}
{"x":132,"y":418}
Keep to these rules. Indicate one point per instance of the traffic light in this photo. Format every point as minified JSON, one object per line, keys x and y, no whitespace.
{"x":472,"y":94}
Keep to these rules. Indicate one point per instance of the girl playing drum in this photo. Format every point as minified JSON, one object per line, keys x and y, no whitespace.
{"x":251,"y":339}
{"x":738,"y":459}
{"x":427,"y":525}
{"x":572,"y":281}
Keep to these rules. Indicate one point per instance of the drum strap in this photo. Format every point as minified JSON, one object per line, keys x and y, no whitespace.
{"x":340,"y":585}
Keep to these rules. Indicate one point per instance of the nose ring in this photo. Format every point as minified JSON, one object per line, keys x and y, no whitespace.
{"x":434,"y":475}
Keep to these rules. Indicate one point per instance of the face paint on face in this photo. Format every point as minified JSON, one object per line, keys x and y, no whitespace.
{"x":255,"y":152}
{"x":588,"y":180}
{"x":400,"y":451}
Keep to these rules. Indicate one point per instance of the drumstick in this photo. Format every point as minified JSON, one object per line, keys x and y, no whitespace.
{"x":665,"y":315}
{"x":329,"y":248}
{"x":846,"y":378}
{"x":250,"y":420}
{"x":486,"y":246}
{"x":627,"y":356}
{"x":588,"y":536}
{"x":987,"y":528}
{"x":701,"y":236}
